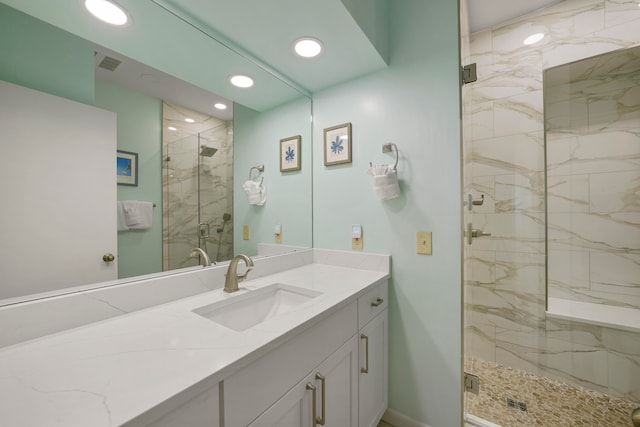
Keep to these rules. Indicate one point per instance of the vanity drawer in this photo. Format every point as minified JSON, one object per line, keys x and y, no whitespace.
{"x":373,"y":302}
{"x":252,"y":390}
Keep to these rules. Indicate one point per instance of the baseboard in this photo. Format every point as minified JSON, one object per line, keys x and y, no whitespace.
{"x":400,"y":420}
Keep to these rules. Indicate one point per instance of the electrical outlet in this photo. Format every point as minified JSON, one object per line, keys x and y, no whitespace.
{"x":423,"y":243}
{"x":277,"y":233}
{"x":246,"y":232}
{"x":357,"y":243}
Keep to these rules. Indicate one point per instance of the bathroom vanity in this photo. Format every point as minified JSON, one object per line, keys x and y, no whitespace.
{"x":303,"y":346}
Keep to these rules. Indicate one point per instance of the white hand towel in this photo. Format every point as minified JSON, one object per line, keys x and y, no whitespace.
{"x":256,"y":192}
{"x":138,"y":215}
{"x":122,"y":221}
{"x":385,"y":181}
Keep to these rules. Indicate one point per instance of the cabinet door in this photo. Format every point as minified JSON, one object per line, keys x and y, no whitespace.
{"x":373,"y":382}
{"x":335,"y":378}
{"x":291,"y":410}
{"x":340,"y":386}
{"x":201,"y":411}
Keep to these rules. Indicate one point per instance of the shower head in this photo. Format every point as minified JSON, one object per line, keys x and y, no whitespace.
{"x":225,"y":217}
{"x":207,"y":151}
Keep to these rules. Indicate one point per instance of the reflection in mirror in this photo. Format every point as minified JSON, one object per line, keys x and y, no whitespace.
{"x":271,"y":112}
{"x":592,"y":119}
{"x":197,"y":187}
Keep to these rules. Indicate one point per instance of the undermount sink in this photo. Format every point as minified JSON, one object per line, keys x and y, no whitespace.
{"x":241,"y":312}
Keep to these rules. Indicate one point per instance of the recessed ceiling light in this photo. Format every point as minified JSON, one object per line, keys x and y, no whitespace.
{"x":220,"y":106}
{"x":307,"y":47}
{"x":189,"y":120}
{"x":533,"y":38}
{"x":241,"y":81}
{"x":172,"y":128}
{"x":107,"y":11}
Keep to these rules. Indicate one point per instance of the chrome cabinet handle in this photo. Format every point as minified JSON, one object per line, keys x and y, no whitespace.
{"x":313,"y":402}
{"x":365,"y":370}
{"x":320,"y":420}
{"x":377,"y":302}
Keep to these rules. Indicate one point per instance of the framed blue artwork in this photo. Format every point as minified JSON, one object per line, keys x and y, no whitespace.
{"x":337,"y":144}
{"x":290,"y":154}
{"x":127,"y":168}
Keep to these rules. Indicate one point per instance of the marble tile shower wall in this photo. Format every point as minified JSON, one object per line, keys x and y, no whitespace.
{"x":593,"y":169}
{"x":504,"y":144}
{"x":180,"y":194}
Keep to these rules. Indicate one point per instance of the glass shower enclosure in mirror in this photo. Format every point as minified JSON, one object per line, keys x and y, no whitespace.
{"x":70,"y":43}
{"x":197,"y":187}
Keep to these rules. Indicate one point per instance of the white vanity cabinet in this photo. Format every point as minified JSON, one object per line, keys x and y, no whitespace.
{"x":333,"y":384}
{"x":342,"y":360}
{"x":272,"y":391}
{"x":374,"y":355}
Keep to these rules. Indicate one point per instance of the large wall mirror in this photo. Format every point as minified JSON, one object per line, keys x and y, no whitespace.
{"x":195,"y":177}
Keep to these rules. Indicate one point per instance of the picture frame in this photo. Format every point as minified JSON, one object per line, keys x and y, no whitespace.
{"x":127,"y":168}
{"x":337,"y":144}
{"x":290,"y":154}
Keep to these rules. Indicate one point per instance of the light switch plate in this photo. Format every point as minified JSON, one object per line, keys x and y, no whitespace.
{"x":246,"y":232}
{"x":277,"y":233}
{"x":423,"y":243}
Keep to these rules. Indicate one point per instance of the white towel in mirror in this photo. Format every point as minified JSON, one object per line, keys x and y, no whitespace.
{"x":138,"y":215}
{"x":256,"y":192}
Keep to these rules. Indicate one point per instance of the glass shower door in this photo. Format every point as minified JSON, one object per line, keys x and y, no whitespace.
{"x":536,"y":367}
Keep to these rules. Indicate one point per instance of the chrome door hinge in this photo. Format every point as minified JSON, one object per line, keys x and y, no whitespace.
{"x":469,"y":74}
{"x":471,"y":383}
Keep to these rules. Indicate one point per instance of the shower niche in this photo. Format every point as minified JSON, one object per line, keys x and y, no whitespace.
{"x":197,"y":184}
{"x":592,"y":137}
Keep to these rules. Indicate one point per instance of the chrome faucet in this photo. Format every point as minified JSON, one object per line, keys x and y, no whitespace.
{"x":233,"y":278}
{"x":205,"y":258}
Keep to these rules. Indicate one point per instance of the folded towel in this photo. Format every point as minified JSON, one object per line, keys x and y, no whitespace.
{"x":138,"y":215}
{"x":122,"y":221}
{"x":385,"y":181}
{"x":256,"y":192}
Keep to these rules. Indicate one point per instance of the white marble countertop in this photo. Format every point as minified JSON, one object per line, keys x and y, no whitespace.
{"x":110,"y":372}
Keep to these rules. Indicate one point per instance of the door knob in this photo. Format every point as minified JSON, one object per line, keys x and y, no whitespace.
{"x":635,"y":417}
{"x":108,"y":257}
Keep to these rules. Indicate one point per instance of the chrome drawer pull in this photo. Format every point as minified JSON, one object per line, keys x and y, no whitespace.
{"x":377,"y":303}
{"x":365,"y":370}
{"x":313,"y":402}
{"x":320,"y":420}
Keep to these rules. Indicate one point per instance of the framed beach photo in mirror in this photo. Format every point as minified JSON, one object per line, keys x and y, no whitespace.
{"x":127,"y":168}
{"x":290,"y":154}
{"x":337,"y":144}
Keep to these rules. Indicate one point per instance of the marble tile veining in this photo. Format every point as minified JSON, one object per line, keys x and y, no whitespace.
{"x":591,"y":126}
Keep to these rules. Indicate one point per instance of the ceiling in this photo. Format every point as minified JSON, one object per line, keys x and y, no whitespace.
{"x":487,"y":13}
{"x":208,"y":34}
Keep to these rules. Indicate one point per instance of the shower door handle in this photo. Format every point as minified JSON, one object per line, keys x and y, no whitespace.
{"x":474,"y":233}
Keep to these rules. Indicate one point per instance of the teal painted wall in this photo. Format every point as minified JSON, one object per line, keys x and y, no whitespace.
{"x":256,"y":140}
{"x":139,"y":124}
{"x":45,"y":58}
{"x":415,"y":103}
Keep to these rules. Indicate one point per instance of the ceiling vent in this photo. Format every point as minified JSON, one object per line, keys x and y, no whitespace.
{"x":109,"y":63}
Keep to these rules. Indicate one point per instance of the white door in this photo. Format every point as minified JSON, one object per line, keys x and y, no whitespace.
{"x":58,"y":190}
